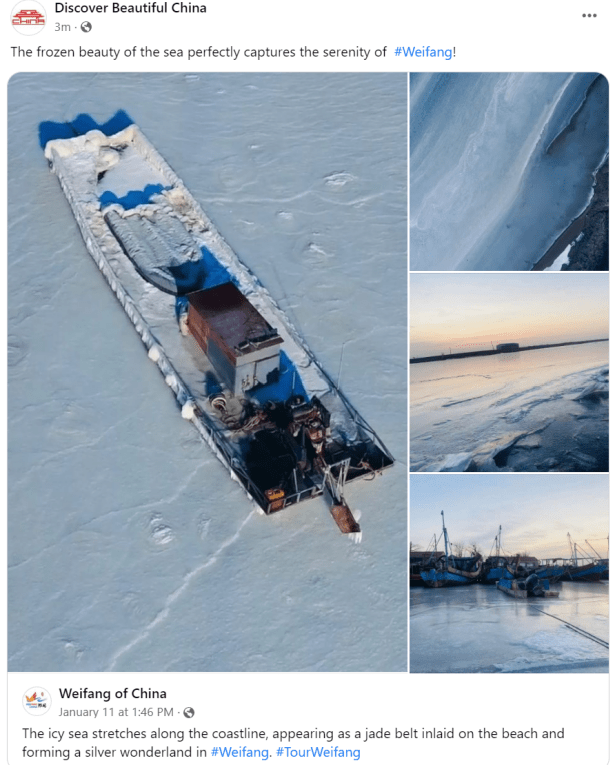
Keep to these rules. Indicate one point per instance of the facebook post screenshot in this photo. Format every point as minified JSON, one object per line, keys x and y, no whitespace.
{"x":307,"y":383}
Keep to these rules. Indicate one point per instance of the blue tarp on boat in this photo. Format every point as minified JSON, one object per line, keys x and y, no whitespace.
{"x":50,"y":131}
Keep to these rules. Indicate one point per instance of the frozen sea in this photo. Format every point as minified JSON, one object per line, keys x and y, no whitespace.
{"x":500,"y":165}
{"x":130,"y":548}
{"x":539,"y":410}
{"x":480,"y":629}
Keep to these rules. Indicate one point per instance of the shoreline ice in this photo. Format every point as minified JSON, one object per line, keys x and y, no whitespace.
{"x":490,"y":415}
{"x":486,"y":152}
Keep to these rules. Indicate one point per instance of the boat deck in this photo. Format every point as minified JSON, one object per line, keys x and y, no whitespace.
{"x":93,"y":167}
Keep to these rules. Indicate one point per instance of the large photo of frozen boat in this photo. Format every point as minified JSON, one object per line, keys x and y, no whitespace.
{"x":204,"y":239}
{"x":242,"y":374}
{"x":509,"y":373}
{"x":509,"y":573}
{"x":509,"y":171}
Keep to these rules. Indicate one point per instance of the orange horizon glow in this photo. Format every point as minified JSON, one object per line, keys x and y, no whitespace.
{"x":464,"y":312}
{"x":536,"y":512}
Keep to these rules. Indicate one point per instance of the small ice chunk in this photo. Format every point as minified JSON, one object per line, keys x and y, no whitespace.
{"x":531,"y":441}
{"x":561,"y":260}
{"x":586,"y":461}
{"x":455,"y":463}
{"x":594,"y":393}
{"x":188,"y":410}
{"x":162,"y":535}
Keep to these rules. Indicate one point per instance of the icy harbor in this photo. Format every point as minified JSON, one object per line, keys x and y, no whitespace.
{"x":154,"y":559}
{"x":502,"y":165}
{"x":477,"y":628}
{"x":539,"y":410}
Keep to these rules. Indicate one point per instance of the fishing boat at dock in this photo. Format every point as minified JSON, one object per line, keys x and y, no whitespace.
{"x":586,"y":568}
{"x":451,"y":570}
{"x":494,"y":569}
{"x":587,"y":572}
{"x":496,"y":566}
{"x":552,"y":569}
{"x":423,"y":560}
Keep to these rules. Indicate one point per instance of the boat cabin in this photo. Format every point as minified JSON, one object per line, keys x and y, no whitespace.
{"x":242,"y":346}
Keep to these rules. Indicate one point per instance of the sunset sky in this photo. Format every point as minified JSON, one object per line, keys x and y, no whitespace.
{"x":467,"y":312}
{"x":536,"y":511}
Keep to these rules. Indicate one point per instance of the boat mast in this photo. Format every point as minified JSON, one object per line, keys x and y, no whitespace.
{"x":596,"y":553}
{"x":593,"y":549}
{"x":434,"y":554}
{"x":445,"y":538}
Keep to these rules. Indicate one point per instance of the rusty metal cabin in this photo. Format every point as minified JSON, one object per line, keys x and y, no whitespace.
{"x":242,"y":346}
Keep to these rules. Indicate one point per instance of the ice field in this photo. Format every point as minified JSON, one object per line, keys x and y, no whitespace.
{"x":480,"y":629}
{"x":500,"y":165}
{"x":129,"y":546}
{"x":534,"y":410}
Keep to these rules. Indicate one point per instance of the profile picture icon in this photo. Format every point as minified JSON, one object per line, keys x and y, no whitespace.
{"x":36,"y":701}
{"x":28,"y":17}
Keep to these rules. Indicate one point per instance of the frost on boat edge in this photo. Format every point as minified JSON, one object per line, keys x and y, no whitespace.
{"x":260,"y":400}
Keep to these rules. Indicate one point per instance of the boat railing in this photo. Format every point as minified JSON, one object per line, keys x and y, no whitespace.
{"x":574,"y":561}
{"x":292,"y":499}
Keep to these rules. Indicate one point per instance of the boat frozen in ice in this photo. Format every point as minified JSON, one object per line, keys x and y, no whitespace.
{"x":239,"y":370}
{"x":496,"y":567}
{"x":553,"y":569}
{"x":527,"y":587}
{"x":580,"y":571}
{"x":581,"y":567}
{"x":451,"y":570}
{"x":421,"y":561}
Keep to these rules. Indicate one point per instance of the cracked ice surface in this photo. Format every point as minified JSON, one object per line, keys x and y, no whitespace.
{"x":534,"y":410}
{"x":480,"y":629}
{"x":129,"y":546}
{"x":500,"y":165}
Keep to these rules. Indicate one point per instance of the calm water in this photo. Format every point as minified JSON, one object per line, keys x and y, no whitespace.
{"x":533,"y":410}
{"x":480,"y":629}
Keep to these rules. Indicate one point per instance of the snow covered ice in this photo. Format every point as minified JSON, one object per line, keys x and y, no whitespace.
{"x":500,"y":165}
{"x":535,"y":410}
{"x":480,"y":629}
{"x":153,"y":558}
